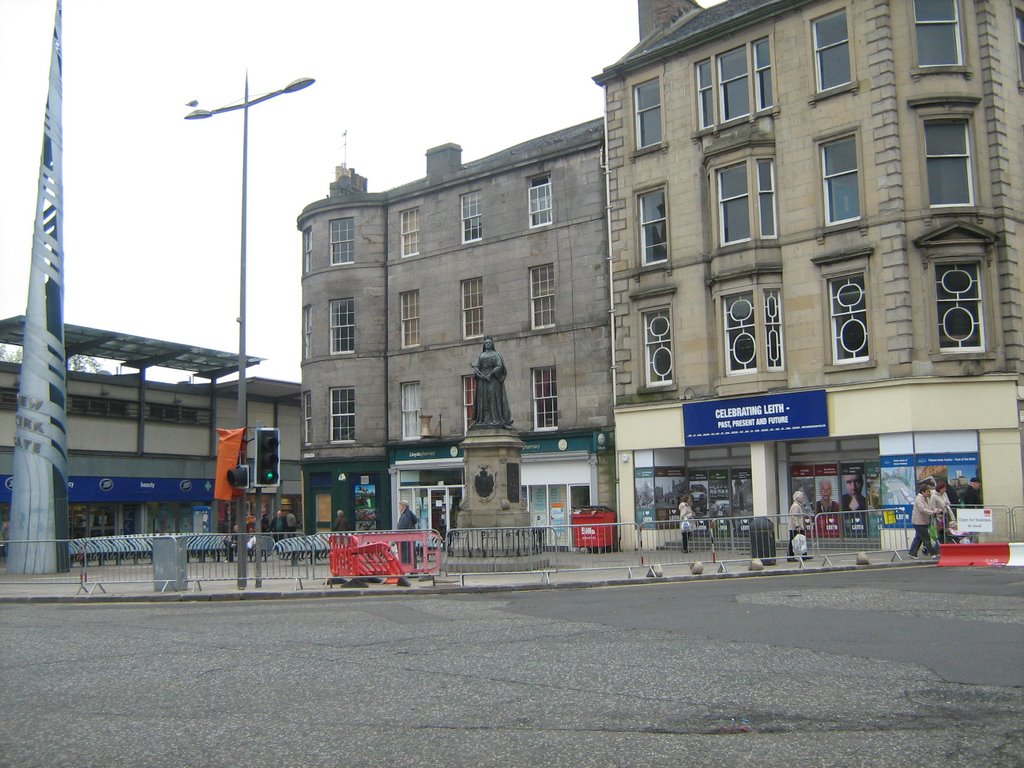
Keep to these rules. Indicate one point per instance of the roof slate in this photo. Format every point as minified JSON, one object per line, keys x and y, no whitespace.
{"x":722,"y":19}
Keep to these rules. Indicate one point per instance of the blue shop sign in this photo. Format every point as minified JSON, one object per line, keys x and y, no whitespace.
{"x":765,"y":418}
{"x":126,"y":489}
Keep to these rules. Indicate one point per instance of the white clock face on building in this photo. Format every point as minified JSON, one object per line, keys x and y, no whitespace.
{"x":562,"y":444}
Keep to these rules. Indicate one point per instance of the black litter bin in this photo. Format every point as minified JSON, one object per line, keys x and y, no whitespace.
{"x":762,"y":540}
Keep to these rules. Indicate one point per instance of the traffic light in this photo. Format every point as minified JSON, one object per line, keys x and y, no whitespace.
{"x":268,"y":462}
{"x":238,"y":477}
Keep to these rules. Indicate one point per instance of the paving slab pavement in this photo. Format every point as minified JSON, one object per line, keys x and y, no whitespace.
{"x":105,"y":587}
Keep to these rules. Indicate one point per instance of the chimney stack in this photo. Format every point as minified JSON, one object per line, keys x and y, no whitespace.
{"x":347,"y":182}
{"x":656,"y":15}
{"x":443,"y":160}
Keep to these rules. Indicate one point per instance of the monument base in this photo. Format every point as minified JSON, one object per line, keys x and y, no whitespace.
{"x":493,"y":497}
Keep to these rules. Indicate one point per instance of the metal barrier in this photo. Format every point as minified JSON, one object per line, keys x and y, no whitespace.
{"x":635,"y":549}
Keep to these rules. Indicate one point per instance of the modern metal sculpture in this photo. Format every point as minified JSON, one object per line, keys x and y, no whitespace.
{"x":39,"y":508}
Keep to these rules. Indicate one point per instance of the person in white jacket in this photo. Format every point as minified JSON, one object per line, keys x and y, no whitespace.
{"x":686,"y":520}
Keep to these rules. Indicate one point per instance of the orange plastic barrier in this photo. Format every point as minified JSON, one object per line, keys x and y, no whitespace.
{"x":974,"y":554}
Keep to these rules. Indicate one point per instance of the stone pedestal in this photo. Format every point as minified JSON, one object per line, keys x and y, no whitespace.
{"x":493,"y":461}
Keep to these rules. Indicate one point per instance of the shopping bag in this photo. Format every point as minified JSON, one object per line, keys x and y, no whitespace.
{"x":799,"y":544}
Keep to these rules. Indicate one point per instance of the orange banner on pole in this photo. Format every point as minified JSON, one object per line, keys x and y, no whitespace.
{"x":230,"y":447}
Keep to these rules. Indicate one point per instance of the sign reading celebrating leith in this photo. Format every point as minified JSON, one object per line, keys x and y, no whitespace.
{"x":781,"y":416}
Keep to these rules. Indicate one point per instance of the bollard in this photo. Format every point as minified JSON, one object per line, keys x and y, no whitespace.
{"x":696,"y":567}
{"x":755,"y":564}
{"x":862,"y":558}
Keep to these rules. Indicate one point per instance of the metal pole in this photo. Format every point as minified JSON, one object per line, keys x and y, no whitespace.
{"x":242,"y":405}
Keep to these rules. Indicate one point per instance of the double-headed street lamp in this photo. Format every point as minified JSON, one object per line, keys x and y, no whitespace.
{"x":198,"y":114}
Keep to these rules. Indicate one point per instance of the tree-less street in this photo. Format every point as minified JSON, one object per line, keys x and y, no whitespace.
{"x":901,"y":666}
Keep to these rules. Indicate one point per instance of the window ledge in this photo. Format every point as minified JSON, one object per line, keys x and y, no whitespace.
{"x":661,"y":146}
{"x":916,"y":73}
{"x":953,"y":356}
{"x":846,"y":226}
{"x":852,"y":87}
{"x":859,"y":365}
{"x":656,"y":389}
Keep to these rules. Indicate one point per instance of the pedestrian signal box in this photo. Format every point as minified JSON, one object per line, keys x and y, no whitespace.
{"x":268,"y":459}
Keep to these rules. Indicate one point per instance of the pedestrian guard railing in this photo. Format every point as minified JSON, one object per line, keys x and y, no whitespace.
{"x":728,"y":541}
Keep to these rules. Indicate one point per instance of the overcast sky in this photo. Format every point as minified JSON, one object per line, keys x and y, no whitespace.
{"x":152,"y":201}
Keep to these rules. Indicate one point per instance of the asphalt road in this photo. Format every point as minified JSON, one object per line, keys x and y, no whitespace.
{"x":904,"y":666}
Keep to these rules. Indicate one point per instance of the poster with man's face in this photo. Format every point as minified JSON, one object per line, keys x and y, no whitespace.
{"x":853,"y":498}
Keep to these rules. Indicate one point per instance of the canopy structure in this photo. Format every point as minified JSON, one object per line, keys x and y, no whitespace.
{"x":136,"y":352}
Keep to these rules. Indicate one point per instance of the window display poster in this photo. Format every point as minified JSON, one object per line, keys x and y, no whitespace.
{"x":699,"y":483}
{"x":644,"y":495}
{"x":742,"y":492}
{"x":853,"y":501}
{"x":826,"y":479}
{"x":873,"y":484}
{"x":826,"y":503}
{"x":897,"y":485}
{"x":719,"y":493}
{"x":802,"y":479}
{"x":366,"y":507}
{"x":851,"y":488}
{"x":669,"y":487}
{"x":956,"y":469}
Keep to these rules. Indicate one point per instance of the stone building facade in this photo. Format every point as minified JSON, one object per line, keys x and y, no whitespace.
{"x":816,"y":213}
{"x":401,"y":287}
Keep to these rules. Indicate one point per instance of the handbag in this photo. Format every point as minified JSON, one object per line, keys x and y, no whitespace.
{"x":686,"y":525}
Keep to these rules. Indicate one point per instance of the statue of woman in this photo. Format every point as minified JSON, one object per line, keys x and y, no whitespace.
{"x":490,"y":402}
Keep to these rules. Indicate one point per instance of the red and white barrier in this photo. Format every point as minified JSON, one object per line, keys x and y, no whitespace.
{"x":981,"y":554}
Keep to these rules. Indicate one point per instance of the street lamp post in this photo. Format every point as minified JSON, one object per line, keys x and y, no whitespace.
{"x":199,"y":114}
